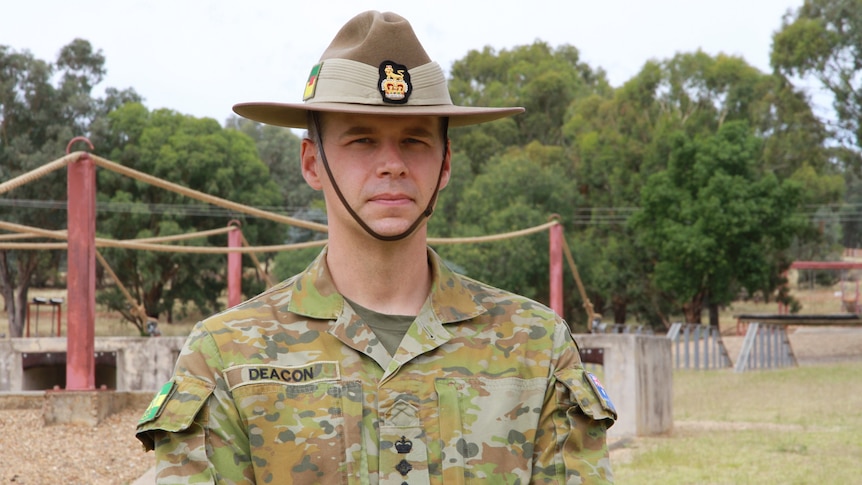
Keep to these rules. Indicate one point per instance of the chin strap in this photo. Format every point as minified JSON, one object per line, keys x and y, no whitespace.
{"x":425,"y":214}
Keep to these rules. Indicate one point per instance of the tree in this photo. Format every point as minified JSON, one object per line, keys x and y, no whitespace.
{"x":618,"y":141}
{"x":714,"y":224}
{"x":544,"y":80}
{"x":822,"y":41}
{"x":195,"y":153}
{"x":520,"y":189}
{"x":42,"y":107}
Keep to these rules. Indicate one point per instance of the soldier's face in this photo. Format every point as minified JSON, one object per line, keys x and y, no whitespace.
{"x":386,"y":167}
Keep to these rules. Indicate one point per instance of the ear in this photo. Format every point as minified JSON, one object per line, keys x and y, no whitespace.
{"x":447,"y":165}
{"x":308,"y":158}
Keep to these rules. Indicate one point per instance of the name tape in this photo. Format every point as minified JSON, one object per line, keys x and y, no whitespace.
{"x":303,"y":374}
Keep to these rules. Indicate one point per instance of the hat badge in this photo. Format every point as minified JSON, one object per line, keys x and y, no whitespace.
{"x":394,"y":82}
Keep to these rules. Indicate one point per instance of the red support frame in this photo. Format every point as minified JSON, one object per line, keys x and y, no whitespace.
{"x":556,"y":268}
{"x":81,"y":276}
{"x":234,"y":266}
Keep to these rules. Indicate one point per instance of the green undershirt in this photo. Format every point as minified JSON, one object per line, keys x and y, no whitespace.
{"x":389,"y":329}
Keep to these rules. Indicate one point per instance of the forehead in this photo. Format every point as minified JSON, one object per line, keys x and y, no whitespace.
{"x":344,"y":122}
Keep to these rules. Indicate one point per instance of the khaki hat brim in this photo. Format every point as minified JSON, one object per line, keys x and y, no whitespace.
{"x":296,"y":115}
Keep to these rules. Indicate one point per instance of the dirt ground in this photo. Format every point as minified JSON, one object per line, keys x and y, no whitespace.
{"x":813,"y":345}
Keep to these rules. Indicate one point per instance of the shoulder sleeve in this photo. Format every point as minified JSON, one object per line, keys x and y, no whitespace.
{"x":583,"y":418}
{"x":574,"y":423}
{"x":173,"y":409}
{"x":192,"y":423}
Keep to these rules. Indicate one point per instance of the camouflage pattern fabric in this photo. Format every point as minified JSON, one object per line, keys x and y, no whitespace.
{"x":293,"y":387}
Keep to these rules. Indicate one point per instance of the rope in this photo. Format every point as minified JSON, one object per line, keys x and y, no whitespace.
{"x":39,"y":172}
{"x":137,"y":308}
{"x":210,"y":199}
{"x":588,"y":305}
{"x":269,"y":282}
{"x":10,"y":237}
{"x":143,"y":244}
{"x":181,"y":237}
{"x":114,"y":243}
{"x":492,"y":238}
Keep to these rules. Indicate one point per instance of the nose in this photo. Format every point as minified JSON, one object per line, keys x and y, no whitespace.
{"x":391,"y":161}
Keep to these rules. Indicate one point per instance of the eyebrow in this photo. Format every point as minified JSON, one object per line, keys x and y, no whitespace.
{"x":367,"y":130}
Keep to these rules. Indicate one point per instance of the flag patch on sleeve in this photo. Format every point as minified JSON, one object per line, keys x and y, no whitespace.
{"x":155,"y":407}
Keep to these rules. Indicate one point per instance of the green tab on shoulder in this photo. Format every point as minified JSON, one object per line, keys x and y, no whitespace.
{"x":158,"y":402}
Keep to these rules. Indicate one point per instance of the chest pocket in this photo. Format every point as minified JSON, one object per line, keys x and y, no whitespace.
{"x":488,"y":427}
{"x":302,"y":433}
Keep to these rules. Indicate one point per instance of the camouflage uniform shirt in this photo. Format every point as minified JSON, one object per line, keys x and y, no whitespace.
{"x":293,"y":387}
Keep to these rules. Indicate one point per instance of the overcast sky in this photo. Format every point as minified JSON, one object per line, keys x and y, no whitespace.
{"x":200,"y":57}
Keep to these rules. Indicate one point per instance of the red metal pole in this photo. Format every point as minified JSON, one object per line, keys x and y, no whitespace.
{"x":234,"y":267}
{"x":81,"y":277}
{"x":556,"y":258}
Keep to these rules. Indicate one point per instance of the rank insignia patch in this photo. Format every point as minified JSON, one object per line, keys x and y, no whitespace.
{"x":155,"y":407}
{"x":394,"y":82}
{"x":311,"y":84}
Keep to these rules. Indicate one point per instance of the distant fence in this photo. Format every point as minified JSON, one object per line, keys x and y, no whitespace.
{"x":765,"y":346}
{"x":697,"y":346}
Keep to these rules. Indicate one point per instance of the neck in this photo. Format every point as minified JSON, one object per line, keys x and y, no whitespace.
{"x":387,"y":277}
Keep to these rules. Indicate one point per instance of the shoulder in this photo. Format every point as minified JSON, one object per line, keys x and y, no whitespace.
{"x":497,"y":298}
{"x":254,"y":314}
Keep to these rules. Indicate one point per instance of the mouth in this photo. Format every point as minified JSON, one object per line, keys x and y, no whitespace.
{"x":391,"y":199}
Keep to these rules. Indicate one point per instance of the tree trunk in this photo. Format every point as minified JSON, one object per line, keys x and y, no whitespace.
{"x":7,"y":288}
{"x":16,"y":301}
{"x":27,"y":263}
{"x":619,"y":305}
{"x":713,"y":315}
{"x":693,"y":309}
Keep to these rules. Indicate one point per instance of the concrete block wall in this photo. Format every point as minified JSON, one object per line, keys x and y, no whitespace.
{"x":142,"y":363}
{"x":638,"y":376}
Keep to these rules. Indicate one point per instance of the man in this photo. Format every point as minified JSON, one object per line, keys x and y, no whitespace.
{"x":378,"y":364}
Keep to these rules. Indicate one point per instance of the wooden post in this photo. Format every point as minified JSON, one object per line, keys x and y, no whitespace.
{"x":234,"y":266}
{"x":81,"y":276}
{"x":556,"y":269}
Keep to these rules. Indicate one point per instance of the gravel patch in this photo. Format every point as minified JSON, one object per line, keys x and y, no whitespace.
{"x":32,"y":453}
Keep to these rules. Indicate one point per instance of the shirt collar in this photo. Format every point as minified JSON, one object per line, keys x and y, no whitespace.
{"x":451,"y":300}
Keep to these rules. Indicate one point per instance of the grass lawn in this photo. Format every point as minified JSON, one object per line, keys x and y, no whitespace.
{"x":800,"y":425}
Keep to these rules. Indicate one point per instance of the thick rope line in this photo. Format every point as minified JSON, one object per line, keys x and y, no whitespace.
{"x":113,"y":243}
{"x":494,"y":237}
{"x":182,"y":237}
{"x":269,"y":282}
{"x":588,"y":305}
{"x":145,"y":243}
{"x":39,"y":172}
{"x":137,"y":308}
{"x":32,"y":246}
{"x":12,"y":237}
{"x":210,"y":199}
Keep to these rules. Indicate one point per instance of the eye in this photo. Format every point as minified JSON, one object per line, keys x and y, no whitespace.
{"x":416,"y":141}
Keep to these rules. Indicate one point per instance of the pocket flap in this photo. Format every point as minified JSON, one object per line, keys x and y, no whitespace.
{"x":174,"y":408}
{"x":588,"y":394}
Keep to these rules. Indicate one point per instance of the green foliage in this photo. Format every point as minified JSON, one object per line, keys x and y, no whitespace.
{"x":713,"y":224}
{"x":544,"y":80}
{"x":715,"y":158}
{"x":42,"y":107}
{"x":823,"y":39}
{"x":195,"y":153}
{"x":518,"y":190}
